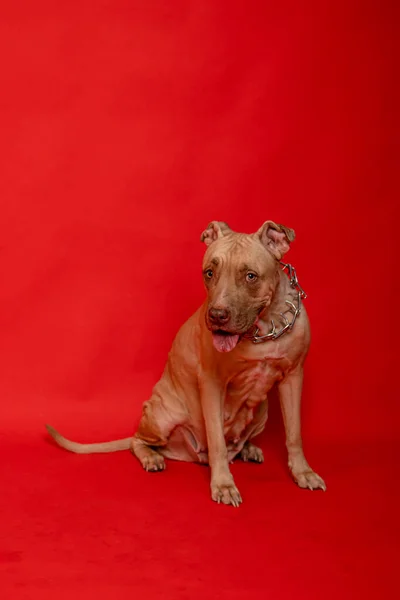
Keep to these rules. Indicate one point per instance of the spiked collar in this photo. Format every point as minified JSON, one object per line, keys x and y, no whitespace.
{"x":293,"y":307}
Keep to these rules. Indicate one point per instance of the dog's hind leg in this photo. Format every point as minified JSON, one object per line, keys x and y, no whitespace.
{"x":251,"y":453}
{"x":155,"y":427}
{"x":150,"y":458}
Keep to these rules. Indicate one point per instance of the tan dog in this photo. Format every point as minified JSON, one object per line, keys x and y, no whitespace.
{"x":212,"y":397}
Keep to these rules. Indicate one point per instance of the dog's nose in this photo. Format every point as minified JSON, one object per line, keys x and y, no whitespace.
{"x":219,"y":315}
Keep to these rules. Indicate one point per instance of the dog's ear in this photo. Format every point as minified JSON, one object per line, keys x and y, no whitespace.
{"x":276,"y":238}
{"x":215,"y":230}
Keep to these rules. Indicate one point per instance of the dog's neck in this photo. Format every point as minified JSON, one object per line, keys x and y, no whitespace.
{"x":280,"y":316}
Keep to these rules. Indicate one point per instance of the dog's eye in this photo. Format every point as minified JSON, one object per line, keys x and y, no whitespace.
{"x":251,"y":277}
{"x":208,"y":273}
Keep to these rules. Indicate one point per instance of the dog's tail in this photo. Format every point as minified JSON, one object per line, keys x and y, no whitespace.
{"x":78,"y":448}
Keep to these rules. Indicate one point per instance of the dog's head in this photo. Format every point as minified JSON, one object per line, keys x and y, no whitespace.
{"x":241,"y":272}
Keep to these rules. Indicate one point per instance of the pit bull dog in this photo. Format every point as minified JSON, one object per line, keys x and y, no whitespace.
{"x":251,"y":333}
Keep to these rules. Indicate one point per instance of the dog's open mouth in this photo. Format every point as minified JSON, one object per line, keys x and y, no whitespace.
{"x":224,"y":341}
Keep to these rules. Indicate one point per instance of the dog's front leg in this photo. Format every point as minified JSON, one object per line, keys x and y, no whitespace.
{"x":223,"y":488}
{"x":290,"y":398}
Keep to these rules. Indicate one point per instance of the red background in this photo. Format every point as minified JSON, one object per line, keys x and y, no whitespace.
{"x":126,"y":127}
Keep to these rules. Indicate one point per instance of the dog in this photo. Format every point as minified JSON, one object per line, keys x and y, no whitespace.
{"x":251,"y":333}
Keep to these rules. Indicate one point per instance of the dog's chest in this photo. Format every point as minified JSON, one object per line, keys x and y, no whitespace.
{"x":245,"y":391}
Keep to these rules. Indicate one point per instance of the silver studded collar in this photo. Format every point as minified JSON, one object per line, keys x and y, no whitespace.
{"x":285,"y":324}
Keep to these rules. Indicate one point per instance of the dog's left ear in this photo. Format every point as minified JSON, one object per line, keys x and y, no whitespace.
{"x":215,"y":230}
{"x":276,"y":238}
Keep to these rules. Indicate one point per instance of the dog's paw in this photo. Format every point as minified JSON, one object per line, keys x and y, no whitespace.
{"x":251,"y":453}
{"x":309,"y":480}
{"x":153,"y":461}
{"x":227,"y":493}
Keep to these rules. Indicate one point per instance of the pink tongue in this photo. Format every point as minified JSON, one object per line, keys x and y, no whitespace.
{"x":224,"y":343}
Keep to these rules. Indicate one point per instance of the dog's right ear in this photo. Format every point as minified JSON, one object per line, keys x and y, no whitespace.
{"x":215,"y":230}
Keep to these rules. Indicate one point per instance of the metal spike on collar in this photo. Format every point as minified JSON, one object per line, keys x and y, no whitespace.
{"x":273,"y":327}
{"x":274,"y":334}
{"x":294,"y":282}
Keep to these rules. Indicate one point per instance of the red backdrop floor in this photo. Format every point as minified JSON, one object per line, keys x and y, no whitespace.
{"x":126,"y":127}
